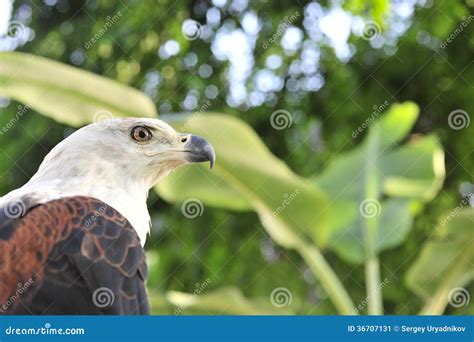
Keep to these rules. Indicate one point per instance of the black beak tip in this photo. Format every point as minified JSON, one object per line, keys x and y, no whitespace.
{"x":212,"y":159}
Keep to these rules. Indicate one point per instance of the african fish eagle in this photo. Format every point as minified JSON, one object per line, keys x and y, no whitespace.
{"x":78,"y":226}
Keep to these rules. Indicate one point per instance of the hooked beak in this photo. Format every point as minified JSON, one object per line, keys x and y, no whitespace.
{"x":198,"y":150}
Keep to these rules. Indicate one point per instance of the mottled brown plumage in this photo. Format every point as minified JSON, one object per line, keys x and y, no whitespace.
{"x":65,"y":250}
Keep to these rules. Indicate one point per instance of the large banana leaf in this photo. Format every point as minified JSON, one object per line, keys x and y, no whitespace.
{"x":68,"y":95}
{"x":445,"y":262}
{"x":247,"y":175}
{"x":364,"y":177}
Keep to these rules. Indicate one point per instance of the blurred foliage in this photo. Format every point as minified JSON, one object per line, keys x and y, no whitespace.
{"x":238,"y":252}
{"x":389,"y":183}
{"x":445,"y":262}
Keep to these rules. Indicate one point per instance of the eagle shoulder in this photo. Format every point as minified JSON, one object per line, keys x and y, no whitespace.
{"x":67,"y":250}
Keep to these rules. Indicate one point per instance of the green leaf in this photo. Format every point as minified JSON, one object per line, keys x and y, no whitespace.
{"x":345,"y":175}
{"x":446,"y":259}
{"x":196,"y":181}
{"x":224,"y":301}
{"x":247,"y":175}
{"x":393,"y":225}
{"x":377,"y":169}
{"x":397,"y":123}
{"x":415,"y":170}
{"x":67,"y":94}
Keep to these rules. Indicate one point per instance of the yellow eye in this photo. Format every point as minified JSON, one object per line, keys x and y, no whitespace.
{"x":141,"y":134}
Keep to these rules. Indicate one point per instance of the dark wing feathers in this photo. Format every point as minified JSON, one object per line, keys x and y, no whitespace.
{"x":78,"y":256}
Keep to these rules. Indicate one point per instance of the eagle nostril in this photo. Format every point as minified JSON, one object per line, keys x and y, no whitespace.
{"x":183,"y":140}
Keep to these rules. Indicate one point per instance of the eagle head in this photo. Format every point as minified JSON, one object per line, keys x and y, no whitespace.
{"x":144,"y":150}
{"x":116,"y":161}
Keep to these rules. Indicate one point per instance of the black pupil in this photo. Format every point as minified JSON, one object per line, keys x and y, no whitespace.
{"x":142,"y":134}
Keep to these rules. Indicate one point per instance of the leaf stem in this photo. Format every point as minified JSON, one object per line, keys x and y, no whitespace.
{"x":328,"y":278}
{"x":370,"y":223}
{"x":372,"y":280}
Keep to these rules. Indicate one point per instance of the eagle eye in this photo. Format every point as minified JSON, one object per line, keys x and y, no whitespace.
{"x":141,"y":133}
